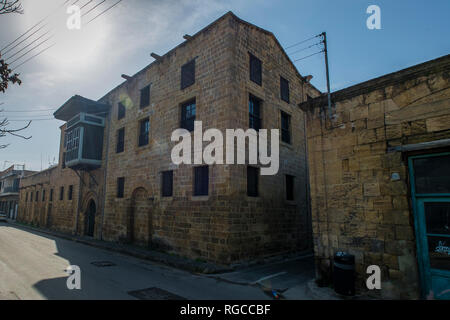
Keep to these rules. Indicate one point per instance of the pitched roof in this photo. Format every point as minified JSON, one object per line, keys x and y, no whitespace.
{"x":226,"y":15}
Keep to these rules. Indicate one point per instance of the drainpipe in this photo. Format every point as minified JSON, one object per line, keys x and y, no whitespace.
{"x":307,"y":190}
{"x":105,"y":175}
{"x":78,"y":203}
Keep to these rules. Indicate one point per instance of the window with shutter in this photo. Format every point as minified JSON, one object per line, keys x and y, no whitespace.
{"x":167,"y":183}
{"x":201,"y":181}
{"x":69,"y":196}
{"x":120,"y":187}
{"x":144,"y":130}
{"x":188,"y":74}
{"x":289,"y":187}
{"x":51,"y":195}
{"x":252,"y":181}
{"x":255,"y":70}
{"x":37,"y":196}
{"x":284,"y":89}
{"x":43,"y":195}
{"x":188,"y":111}
{"x":145,"y":97}
{"x":61,"y":193}
{"x":254,"y":110}
{"x":120,"y":111}
{"x":285,"y":127}
{"x":120,"y":140}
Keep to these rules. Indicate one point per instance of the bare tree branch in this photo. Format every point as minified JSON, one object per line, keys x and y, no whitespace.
{"x":5,"y":131}
{"x":10,"y":6}
{"x":6,"y":76}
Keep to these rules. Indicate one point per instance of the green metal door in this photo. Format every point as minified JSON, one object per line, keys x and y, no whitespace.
{"x":434,"y":218}
{"x":430,"y":190}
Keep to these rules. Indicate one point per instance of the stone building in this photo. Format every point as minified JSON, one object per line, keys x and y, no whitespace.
{"x":61,"y":198}
{"x":380,"y":179}
{"x":116,"y":181}
{"x":9,"y":189}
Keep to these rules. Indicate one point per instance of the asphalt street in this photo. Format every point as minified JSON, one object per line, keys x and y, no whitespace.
{"x":33,"y":264}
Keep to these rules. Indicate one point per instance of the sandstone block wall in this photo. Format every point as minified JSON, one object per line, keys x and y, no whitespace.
{"x":357,"y":203}
{"x":225,"y":226}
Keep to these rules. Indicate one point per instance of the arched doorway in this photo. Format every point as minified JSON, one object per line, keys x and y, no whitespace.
{"x":89,"y":220}
{"x":139,"y":219}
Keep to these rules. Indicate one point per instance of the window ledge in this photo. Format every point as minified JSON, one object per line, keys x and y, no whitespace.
{"x":287,"y":145}
{"x":200,"y":198}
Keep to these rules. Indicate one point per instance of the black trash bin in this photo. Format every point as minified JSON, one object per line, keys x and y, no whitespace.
{"x":344,"y":273}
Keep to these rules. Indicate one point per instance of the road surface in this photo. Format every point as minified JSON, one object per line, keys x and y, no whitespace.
{"x":33,"y":264}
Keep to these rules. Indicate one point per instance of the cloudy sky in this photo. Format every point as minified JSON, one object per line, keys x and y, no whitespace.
{"x":90,"y":61}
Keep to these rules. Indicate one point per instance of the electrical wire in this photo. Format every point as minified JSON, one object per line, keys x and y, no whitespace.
{"x":308,"y":56}
{"x":298,"y":43}
{"x":303,"y":49}
{"x":48,"y":31}
{"x":31,"y":28}
{"x":34,"y":110}
{"x":26,"y":38}
{"x":86,"y":4}
{"x":37,"y":54}
{"x":42,"y":42}
{"x":92,"y":8}
{"x":16,"y":120}
{"x":104,"y":11}
{"x":42,"y":51}
{"x":26,"y":46}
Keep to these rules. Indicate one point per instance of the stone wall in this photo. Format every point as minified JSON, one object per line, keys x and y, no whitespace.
{"x":358,"y":205}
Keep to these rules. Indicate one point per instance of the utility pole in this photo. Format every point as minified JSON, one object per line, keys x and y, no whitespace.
{"x":324,"y":35}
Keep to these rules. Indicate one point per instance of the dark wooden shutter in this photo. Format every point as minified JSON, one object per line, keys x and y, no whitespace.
{"x":285,"y":127}
{"x":120,"y":140}
{"x":255,"y":70}
{"x":51,"y":194}
{"x":289,"y":187}
{"x":167,"y":183}
{"x":120,"y":111}
{"x":201,"y":181}
{"x":254,"y":110}
{"x":188,"y":111}
{"x":144,"y":130}
{"x":188,"y":74}
{"x":120,"y":187}
{"x":252,"y":181}
{"x":284,"y":89}
{"x":145,"y":97}
{"x":61,"y":193}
